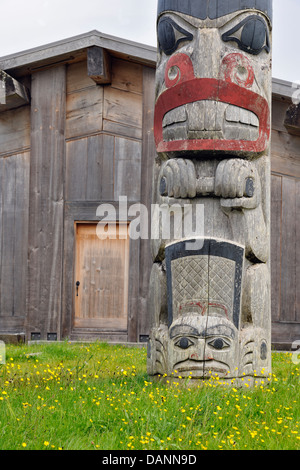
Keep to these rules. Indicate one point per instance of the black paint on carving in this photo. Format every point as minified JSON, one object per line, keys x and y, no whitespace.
{"x":213,"y":9}
{"x":211,"y":247}
{"x":254,"y":35}
{"x":167,"y":39}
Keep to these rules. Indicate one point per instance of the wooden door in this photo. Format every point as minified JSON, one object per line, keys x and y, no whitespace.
{"x":101,"y":293}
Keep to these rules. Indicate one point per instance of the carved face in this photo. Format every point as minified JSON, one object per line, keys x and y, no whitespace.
{"x":203,"y":346}
{"x":213,"y":83}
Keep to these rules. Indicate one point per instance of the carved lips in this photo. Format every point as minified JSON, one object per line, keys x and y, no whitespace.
{"x":228,"y":98}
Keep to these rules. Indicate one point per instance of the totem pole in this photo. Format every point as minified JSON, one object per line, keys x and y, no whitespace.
{"x":209,"y":296}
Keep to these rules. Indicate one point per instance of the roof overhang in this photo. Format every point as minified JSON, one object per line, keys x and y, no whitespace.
{"x":75,"y":49}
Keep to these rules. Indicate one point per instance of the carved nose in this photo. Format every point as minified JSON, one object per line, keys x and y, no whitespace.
{"x":205,"y":58}
{"x":197,"y":353}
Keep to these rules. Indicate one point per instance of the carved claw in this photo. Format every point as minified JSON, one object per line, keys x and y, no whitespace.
{"x":238,"y":184}
{"x":178,"y":179}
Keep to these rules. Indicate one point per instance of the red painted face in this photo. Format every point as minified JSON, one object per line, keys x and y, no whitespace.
{"x":219,"y":108}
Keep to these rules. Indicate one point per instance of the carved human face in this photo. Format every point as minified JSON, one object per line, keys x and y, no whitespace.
{"x":213,"y":84}
{"x":202,"y":346}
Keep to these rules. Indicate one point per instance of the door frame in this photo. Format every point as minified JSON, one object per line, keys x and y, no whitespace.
{"x":85,"y":212}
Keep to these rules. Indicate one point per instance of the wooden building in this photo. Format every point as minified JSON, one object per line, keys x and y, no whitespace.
{"x":76,"y":122}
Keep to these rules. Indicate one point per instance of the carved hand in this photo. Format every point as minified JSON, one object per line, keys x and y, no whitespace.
{"x":178,"y":179}
{"x":238,"y":184}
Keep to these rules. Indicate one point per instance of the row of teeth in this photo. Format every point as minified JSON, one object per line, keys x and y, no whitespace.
{"x":210,"y":119}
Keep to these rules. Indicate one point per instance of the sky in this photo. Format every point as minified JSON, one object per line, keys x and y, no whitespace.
{"x":33,"y":23}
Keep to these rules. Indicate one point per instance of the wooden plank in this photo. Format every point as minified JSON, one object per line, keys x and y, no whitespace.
{"x":289,"y":247}
{"x":148,"y":157}
{"x":14,"y":188}
{"x":76,"y":170}
{"x":15,"y":130}
{"x":285,"y":165}
{"x":8,"y":240}
{"x":118,"y":129}
{"x":285,"y":154}
{"x":46,"y":201}
{"x":99,"y":65}
{"x":128,"y":155}
{"x":21,"y":233}
{"x":77,"y":77}
{"x":101,"y":323}
{"x":90,"y":168}
{"x":297,"y":254}
{"x":123,"y":108}
{"x":84,"y":112}
{"x":276,"y":235}
{"x":284,"y":332}
{"x":127,"y":76}
{"x":94,"y":168}
{"x":108,"y":166}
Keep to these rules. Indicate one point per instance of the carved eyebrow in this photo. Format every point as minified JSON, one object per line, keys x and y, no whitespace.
{"x":220,"y":330}
{"x":217,"y":330}
{"x":263,"y":34}
{"x":181,"y":330}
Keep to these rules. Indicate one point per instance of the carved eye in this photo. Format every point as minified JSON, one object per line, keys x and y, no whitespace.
{"x":170,"y":35}
{"x":219,"y":343}
{"x":184,"y":343}
{"x":251,"y":35}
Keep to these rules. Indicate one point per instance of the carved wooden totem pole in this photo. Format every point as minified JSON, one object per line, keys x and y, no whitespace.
{"x":209,"y":296}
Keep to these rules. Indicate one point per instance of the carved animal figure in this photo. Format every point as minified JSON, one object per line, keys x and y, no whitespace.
{"x":209,"y":296}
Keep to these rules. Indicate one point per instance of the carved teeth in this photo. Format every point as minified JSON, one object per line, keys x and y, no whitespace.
{"x":210,"y":120}
{"x":235,"y":114}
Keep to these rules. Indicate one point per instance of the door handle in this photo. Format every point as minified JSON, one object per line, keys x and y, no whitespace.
{"x":77,"y":287}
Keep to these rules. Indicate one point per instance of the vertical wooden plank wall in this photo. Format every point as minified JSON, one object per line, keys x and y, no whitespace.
{"x":46,"y":207}
{"x":14,"y":201}
{"x":285,"y":231}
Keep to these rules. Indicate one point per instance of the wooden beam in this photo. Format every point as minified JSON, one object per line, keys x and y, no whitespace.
{"x":292,"y":120}
{"x":12,"y":93}
{"x":99,"y":65}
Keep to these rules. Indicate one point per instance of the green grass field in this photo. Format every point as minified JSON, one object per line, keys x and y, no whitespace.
{"x":73,"y":396}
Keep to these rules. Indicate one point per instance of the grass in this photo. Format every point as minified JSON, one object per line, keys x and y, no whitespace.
{"x":75,"y":396}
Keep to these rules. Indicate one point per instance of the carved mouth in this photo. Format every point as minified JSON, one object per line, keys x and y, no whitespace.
{"x":202,"y":369}
{"x":210,"y":120}
{"x":245,"y":126}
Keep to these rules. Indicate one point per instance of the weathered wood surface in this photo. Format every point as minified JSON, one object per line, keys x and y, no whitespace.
{"x":14,"y":201}
{"x":102,"y":270}
{"x":15,"y":131}
{"x":74,"y":49}
{"x":115,"y":109}
{"x":46,"y":201}
{"x":285,"y":257}
{"x":99,"y":65}
{"x":148,"y":151}
{"x":12,"y":93}
{"x":82,"y":211}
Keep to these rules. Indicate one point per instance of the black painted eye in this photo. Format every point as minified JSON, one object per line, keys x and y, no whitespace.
{"x":254,"y":35}
{"x":184,"y":343}
{"x":219,"y":343}
{"x":170,"y":35}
